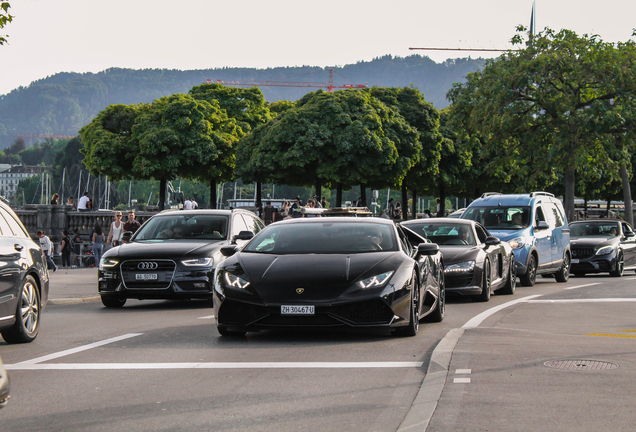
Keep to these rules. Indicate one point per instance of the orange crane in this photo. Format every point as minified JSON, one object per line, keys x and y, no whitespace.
{"x":329,"y":86}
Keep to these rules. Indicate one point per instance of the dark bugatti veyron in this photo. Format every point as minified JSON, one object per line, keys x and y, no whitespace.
{"x":602,"y":245}
{"x":330,"y":272}
{"x":477,"y":264}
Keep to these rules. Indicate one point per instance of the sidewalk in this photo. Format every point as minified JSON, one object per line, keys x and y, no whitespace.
{"x":73,"y":286}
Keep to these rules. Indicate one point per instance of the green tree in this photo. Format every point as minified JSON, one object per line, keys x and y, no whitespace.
{"x":346,"y":138}
{"x":247,"y":107}
{"x":547,"y":103}
{"x":5,"y":18}
{"x":424,"y":117}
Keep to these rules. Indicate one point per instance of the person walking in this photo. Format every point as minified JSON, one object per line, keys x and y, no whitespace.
{"x":47,"y":247}
{"x":67,"y":246}
{"x":116,"y":230}
{"x":98,"y":243}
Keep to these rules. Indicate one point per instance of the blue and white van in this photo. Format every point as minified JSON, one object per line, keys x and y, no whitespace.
{"x":535,"y":226}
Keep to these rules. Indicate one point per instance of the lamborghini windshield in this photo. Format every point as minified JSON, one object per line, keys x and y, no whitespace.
{"x":328,"y":237}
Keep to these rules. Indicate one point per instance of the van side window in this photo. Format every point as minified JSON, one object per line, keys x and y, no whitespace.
{"x":557,"y":217}
{"x":538,"y":215}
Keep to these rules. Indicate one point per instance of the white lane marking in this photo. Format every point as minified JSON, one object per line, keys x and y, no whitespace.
{"x":461,"y":380}
{"x":246,"y":365}
{"x":630,"y":279}
{"x":206,"y":317}
{"x":600,"y":300}
{"x":581,"y":286}
{"x":463,"y":371}
{"x":78,"y":349}
{"x":478,"y":319}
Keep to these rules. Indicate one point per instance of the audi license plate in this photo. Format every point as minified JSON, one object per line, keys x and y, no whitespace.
{"x":146,"y":276}
{"x":297,"y":310}
{"x":575,"y":261}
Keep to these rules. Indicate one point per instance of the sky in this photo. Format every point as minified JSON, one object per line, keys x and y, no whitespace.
{"x":47,"y":37}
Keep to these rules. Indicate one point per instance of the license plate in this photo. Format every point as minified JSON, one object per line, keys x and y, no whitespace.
{"x":575,"y":260}
{"x":297,"y":310}
{"x":146,"y":276}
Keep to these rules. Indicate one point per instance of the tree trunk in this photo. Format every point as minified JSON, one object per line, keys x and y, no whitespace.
{"x":318,"y":190}
{"x":568,"y":199}
{"x":363,"y":193}
{"x":339,"y":195}
{"x":213,"y":193}
{"x":627,"y":195}
{"x":405,"y":203}
{"x":414,"y":206}
{"x":442,"y":200}
{"x":608,"y":206}
{"x":585,"y":207}
{"x":162,"y":194}
{"x":259,"y":198}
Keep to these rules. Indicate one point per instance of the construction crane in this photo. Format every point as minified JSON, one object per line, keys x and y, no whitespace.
{"x":329,"y":86}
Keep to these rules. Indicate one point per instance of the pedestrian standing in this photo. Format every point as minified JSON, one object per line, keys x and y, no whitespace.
{"x":397,"y":211}
{"x":77,"y":247}
{"x":323,"y":203}
{"x":427,"y":214}
{"x":47,"y":249}
{"x":195,"y":205}
{"x":71,"y":202}
{"x":187,"y":205}
{"x":391,"y":209}
{"x":66,"y":250}
{"x":98,"y":243}
{"x":55,"y":199}
{"x":131,"y":225}
{"x":116,"y":230}
{"x":269,"y":213}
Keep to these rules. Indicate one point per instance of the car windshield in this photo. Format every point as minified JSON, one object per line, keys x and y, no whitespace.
{"x":183,"y":225}
{"x":327,"y":237}
{"x":500,"y":217}
{"x":603,"y":229}
{"x":445,"y":233}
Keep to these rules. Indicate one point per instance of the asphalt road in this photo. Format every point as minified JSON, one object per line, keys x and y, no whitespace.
{"x":161,"y":366}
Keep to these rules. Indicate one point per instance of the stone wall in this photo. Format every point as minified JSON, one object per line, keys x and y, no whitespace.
{"x":53,"y":219}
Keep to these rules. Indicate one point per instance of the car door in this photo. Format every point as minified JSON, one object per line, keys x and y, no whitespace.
{"x":560,"y":233}
{"x":12,"y":258}
{"x":494,"y":252}
{"x":628,"y":243}
{"x":543,"y":238}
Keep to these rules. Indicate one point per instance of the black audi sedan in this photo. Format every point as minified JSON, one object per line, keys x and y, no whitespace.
{"x":173,"y":255}
{"x":330,"y":272}
{"x":24,"y":290}
{"x":477,"y":264}
{"x":602,"y":245}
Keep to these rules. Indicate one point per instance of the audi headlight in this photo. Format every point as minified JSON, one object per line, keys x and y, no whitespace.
{"x":604,"y":250}
{"x":199,"y":262}
{"x":517,"y":243}
{"x":376,"y":281}
{"x":107,"y":263}
{"x":235,"y":281}
{"x":462,"y":267}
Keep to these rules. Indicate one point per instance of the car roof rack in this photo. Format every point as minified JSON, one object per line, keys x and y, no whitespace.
{"x":487,"y":194}
{"x":541,"y":193}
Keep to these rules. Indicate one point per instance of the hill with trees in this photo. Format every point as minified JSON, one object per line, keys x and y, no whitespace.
{"x":65,"y":102}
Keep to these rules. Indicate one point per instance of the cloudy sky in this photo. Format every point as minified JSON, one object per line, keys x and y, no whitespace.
{"x":49,"y":36}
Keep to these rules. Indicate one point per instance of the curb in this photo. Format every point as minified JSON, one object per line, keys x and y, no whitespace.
{"x":423,"y":407}
{"x":73,"y":300}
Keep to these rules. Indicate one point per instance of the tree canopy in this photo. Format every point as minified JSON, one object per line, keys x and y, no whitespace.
{"x":5,"y":18}
{"x":548,"y":105}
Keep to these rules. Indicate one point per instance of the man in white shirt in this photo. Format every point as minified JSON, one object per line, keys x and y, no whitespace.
{"x":83,"y":202}
{"x":187,"y":205}
{"x":47,"y":248}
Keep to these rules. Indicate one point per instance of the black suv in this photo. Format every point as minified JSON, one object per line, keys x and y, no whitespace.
{"x":24,"y":288}
{"x":173,"y":255}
